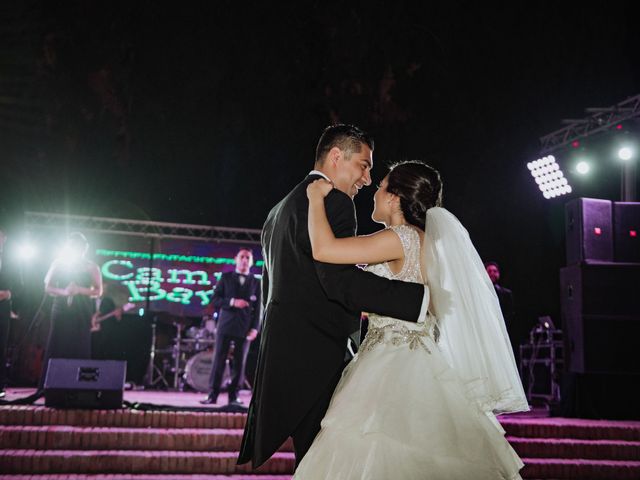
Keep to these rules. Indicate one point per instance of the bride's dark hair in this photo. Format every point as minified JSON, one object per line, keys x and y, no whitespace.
{"x":419,"y":187}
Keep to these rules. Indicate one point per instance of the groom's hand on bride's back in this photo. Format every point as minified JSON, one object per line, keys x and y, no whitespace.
{"x":318,"y":189}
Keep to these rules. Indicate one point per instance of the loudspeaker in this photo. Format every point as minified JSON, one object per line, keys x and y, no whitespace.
{"x":626,"y":227}
{"x":600,"y":307}
{"x":589,"y":231}
{"x":599,"y":396}
{"x":78,"y":383}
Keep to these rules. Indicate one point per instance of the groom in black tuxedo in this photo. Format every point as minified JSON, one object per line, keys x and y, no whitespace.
{"x":312,"y":308}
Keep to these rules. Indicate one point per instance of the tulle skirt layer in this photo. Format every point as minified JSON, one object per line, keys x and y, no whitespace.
{"x":402,"y":413}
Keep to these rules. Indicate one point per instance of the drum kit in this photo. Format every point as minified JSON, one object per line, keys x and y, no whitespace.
{"x":188,"y":358}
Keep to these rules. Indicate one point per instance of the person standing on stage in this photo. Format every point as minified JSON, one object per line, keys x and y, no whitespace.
{"x":505,"y":297}
{"x":74,"y":283}
{"x":237,"y":299}
{"x":6,"y":287}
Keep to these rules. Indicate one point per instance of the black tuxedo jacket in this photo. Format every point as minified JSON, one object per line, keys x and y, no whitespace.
{"x":234,"y":321}
{"x":310,"y":310}
{"x":505,"y":297}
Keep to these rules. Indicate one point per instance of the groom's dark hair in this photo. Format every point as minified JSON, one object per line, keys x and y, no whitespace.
{"x":346,"y":137}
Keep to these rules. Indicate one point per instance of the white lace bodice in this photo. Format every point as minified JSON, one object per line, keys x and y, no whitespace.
{"x":384,"y":329}
{"x":410,"y":272}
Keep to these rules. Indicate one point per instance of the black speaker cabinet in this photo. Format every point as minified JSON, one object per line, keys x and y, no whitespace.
{"x":600,"y":307}
{"x":589,"y":231}
{"x":626,"y":228}
{"x":78,"y":383}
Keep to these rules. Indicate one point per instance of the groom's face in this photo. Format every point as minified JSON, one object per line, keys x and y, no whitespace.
{"x":353,"y":171}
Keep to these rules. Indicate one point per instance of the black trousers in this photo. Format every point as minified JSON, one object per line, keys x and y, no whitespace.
{"x":220,"y":354}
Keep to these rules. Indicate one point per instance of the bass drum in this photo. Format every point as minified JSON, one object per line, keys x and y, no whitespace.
{"x":197,"y":372}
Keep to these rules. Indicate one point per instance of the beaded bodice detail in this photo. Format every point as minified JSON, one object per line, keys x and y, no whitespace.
{"x":387,"y":330}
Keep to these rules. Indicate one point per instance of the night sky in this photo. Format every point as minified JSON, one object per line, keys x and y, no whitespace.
{"x":208,"y":113}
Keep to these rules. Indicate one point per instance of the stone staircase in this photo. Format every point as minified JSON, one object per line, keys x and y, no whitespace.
{"x":45,"y":443}
{"x":39,"y":443}
{"x":559,"y":448}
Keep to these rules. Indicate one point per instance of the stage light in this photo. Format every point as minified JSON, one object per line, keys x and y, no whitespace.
{"x":69,"y":255}
{"x":583,"y":167}
{"x":548,"y":176}
{"x":26,"y":252}
{"x":625,"y":153}
{"x":141,"y":312}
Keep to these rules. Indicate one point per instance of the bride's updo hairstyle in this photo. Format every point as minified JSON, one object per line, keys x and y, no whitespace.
{"x":419,"y":187}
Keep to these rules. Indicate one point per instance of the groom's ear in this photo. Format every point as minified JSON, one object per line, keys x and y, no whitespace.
{"x":334,"y":155}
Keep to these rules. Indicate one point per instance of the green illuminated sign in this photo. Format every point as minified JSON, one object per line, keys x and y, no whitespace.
{"x":145,"y":283}
{"x":170,"y":257}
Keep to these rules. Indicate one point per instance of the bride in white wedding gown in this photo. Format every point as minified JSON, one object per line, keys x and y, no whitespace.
{"x":418,"y":400}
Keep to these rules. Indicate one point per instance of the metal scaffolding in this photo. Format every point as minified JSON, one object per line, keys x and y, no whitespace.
{"x":141,"y":228}
{"x":600,"y":119}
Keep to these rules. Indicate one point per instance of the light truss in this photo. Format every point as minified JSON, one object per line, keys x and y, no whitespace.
{"x":141,"y":228}
{"x":601,"y":119}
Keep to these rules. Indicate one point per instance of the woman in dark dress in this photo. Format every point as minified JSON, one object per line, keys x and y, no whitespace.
{"x":74,"y":283}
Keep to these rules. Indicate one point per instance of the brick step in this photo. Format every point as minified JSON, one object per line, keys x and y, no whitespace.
{"x":80,"y":476}
{"x":571,"y":428}
{"x":579,"y":469}
{"x":59,"y":437}
{"x":136,"y":462}
{"x":184,"y":439}
{"x":516,"y":427}
{"x":574,"y":448}
{"x":60,"y":467}
{"x":29,"y":415}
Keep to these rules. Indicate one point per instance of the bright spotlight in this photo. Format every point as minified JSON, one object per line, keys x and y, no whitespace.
{"x":26,"y":252}
{"x":625,"y":153}
{"x":583,"y":167}
{"x":547,"y":174}
{"x":68,"y":255}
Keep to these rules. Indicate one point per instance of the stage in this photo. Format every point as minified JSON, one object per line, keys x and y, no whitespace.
{"x":166,"y":399}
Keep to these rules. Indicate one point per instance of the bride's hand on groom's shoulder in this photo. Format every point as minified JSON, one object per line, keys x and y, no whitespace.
{"x":318,"y":189}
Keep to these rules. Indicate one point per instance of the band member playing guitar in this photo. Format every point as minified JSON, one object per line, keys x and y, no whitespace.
{"x":117,"y":313}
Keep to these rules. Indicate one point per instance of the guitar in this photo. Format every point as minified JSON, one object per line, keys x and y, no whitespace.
{"x":97,"y":318}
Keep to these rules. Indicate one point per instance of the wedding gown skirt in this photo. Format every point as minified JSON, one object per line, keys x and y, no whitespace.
{"x":401,"y":413}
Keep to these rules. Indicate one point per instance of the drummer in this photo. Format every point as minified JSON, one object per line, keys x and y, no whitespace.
{"x":237,"y":299}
